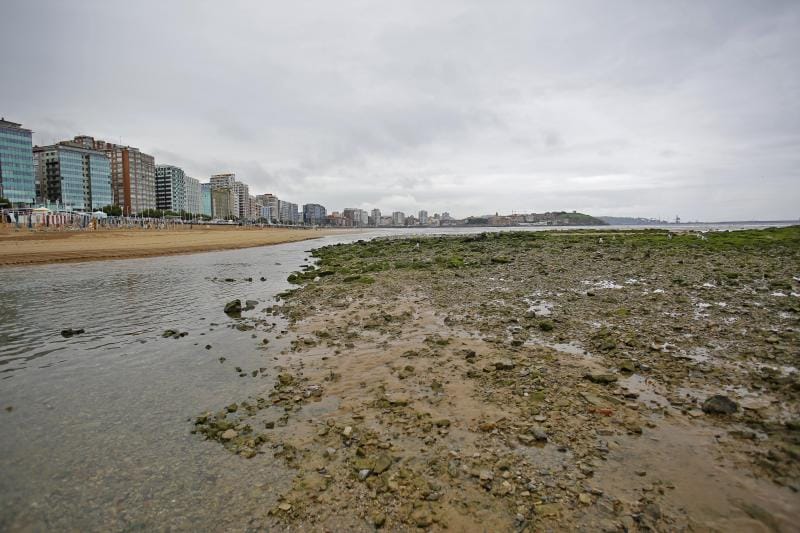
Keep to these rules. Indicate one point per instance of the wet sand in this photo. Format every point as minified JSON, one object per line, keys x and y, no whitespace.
{"x":41,"y":247}
{"x":535,"y":382}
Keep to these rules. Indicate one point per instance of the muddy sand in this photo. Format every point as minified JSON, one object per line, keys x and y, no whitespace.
{"x":28,"y":248}
{"x":614,"y":381}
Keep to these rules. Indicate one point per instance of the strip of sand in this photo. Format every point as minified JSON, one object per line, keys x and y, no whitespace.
{"x":30,"y":248}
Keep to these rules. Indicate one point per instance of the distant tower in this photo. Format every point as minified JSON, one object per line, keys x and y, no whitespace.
{"x":677,"y":219}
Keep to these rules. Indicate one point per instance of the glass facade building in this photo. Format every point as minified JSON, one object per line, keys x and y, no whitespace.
{"x":314,"y":214}
{"x":100,"y":181}
{"x":73,"y":177}
{"x":70,"y":179}
{"x":17,"y":178}
{"x":205,"y":199}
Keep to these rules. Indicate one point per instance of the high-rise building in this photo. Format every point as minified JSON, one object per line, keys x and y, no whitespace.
{"x":314,"y":214}
{"x":78,"y":178}
{"x":398,"y":218}
{"x":273,"y":203}
{"x":288,"y":213}
{"x":228,"y":181}
{"x":222,"y":203}
{"x":170,"y":188}
{"x":254,"y":207}
{"x":205,"y":199}
{"x":375,"y":217}
{"x":193,"y":195}
{"x":356,"y":217}
{"x":17,"y":178}
{"x":242,"y":192}
{"x":133,"y":174}
{"x":423,"y":218}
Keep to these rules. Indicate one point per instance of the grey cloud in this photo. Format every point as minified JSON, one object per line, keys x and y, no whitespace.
{"x":620,"y":107}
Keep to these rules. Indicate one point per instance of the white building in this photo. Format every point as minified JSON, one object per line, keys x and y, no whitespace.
{"x":170,"y":188}
{"x":423,"y":218}
{"x":242,"y":193}
{"x":398,"y":218}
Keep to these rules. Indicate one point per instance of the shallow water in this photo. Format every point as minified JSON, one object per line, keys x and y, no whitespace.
{"x":96,"y":427}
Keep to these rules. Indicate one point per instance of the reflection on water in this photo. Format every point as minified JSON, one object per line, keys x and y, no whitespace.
{"x":95,"y":428}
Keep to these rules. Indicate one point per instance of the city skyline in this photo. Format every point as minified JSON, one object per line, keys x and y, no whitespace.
{"x":691,"y":110}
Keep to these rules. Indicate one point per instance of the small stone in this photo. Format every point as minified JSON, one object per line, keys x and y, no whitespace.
{"x":486,"y":475}
{"x":347,"y":431}
{"x":442,"y":423}
{"x":285,"y":378}
{"x":234,"y":307}
{"x":584,"y":498}
{"x":247,"y":452}
{"x":229,"y":434}
{"x":504,"y":364}
{"x":381,"y":463}
{"x":378,"y":520}
{"x":526,"y":439}
{"x":363,"y":474}
{"x":652,"y":510}
{"x":548,"y":510}
{"x":539,"y":434}
{"x":603,"y":379}
{"x":285,"y":507}
{"x":720,"y":405}
{"x":421,"y":518}
{"x":69,"y":332}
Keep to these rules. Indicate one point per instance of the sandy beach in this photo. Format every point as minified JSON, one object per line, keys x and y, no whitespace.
{"x":30,"y":248}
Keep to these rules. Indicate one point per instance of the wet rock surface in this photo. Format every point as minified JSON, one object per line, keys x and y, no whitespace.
{"x":70,"y":332}
{"x":421,"y":391}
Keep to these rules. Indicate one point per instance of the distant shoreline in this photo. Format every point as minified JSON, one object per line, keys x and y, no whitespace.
{"x":46,"y":247}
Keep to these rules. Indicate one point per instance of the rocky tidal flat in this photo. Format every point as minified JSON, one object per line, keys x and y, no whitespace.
{"x":534,"y":381}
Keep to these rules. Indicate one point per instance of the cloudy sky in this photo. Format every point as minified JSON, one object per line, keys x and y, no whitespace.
{"x":608,"y":107}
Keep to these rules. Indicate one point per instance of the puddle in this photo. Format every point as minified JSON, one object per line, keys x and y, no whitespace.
{"x":698,"y":355}
{"x":546,"y":457}
{"x":646,"y":390}
{"x":688,"y":476}
{"x":540,"y":307}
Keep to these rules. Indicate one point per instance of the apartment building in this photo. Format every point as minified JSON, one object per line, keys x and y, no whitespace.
{"x":17,"y":178}
{"x":76,"y":177}
{"x":133,"y":174}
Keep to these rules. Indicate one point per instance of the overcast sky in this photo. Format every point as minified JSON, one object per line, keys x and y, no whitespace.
{"x":641,"y":108}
